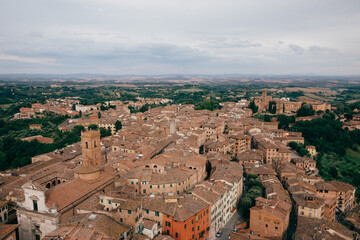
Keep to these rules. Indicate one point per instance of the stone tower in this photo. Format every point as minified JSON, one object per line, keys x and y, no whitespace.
{"x":91,"y":148}
{"x":172,"y":126}
{"x":139,"y":118}
{"x":264,"y":95}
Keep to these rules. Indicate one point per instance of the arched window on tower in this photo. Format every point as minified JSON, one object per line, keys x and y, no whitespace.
{"x":95,"y":144}
{"x":86,"y":143}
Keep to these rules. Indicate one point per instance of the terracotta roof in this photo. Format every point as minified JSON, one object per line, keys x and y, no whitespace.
{"x":149,"y":224}
{"x":90,"y":225}
{"x":3,"y":203}
{"x":277,"y":208}
{"x":7,"y":229}
{"x":158,"y":204}
{"x":311,"y":228}
{"x":341,"y":186}
{"x":164,"y":237}
{"x":67,"y":193}
{"x":325,"y":186}
{"x":230,"y":172}
{"x":187,"y":207}
{"x":300,"y":200}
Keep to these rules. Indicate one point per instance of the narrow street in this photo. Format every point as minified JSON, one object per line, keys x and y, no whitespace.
{"x":229,"y":226}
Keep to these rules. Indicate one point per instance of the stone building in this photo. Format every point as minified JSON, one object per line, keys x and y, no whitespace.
{"x":269,"y":219}
{"x":50,"y":200}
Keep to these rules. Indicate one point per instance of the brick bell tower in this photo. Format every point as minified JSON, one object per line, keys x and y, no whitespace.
{"x":91,"y":148}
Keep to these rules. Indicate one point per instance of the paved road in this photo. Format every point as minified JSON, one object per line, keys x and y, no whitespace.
{"x":229,"y":226}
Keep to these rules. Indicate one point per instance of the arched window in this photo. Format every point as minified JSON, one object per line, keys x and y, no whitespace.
{"x":59,"y":181}
{"x":48,"y":185}
{"x":95,"y":144}
{"x":53,"y":183}
{"x":155,"y":166}
{"x":147,"y":166}
{"x":86,"y":143}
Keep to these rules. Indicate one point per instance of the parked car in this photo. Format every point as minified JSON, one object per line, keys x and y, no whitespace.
{"x":219,"y":233}
{"x":235,"y":230}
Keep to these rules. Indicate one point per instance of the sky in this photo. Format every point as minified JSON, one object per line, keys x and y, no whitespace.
{"x":150,"y":37}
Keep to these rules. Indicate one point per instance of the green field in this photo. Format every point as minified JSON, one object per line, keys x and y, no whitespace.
{"x":352,"y":156}
{"x":192,"y":90}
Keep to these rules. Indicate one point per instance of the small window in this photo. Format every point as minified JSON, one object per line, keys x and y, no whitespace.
{"x":176,"y":235}
{"x":157,"y":213}
{"x":266,"y":225}
{"x":185,"y":226}
{"x":129,"y":211}
{"x":35,"y":205}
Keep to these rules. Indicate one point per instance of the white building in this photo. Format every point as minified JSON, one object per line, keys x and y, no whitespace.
{"x":34,"y":217}
{"x":222,"y":192}
{"x":83,"y":108}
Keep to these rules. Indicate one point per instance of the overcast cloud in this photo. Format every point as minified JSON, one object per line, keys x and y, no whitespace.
{"x":180,"y":36}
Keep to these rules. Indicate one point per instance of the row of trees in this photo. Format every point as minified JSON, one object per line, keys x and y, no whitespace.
{"x":144,"y":108}
{"x":253,"y":107}
{"x":255,"y":189}
{"x":272,"y":107}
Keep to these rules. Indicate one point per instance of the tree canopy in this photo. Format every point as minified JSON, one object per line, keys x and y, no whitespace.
{"x":208,"y":104}
{"x":305,"y":110}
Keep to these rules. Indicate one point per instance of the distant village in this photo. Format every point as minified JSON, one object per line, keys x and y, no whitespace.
{"x":174,"y":172}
